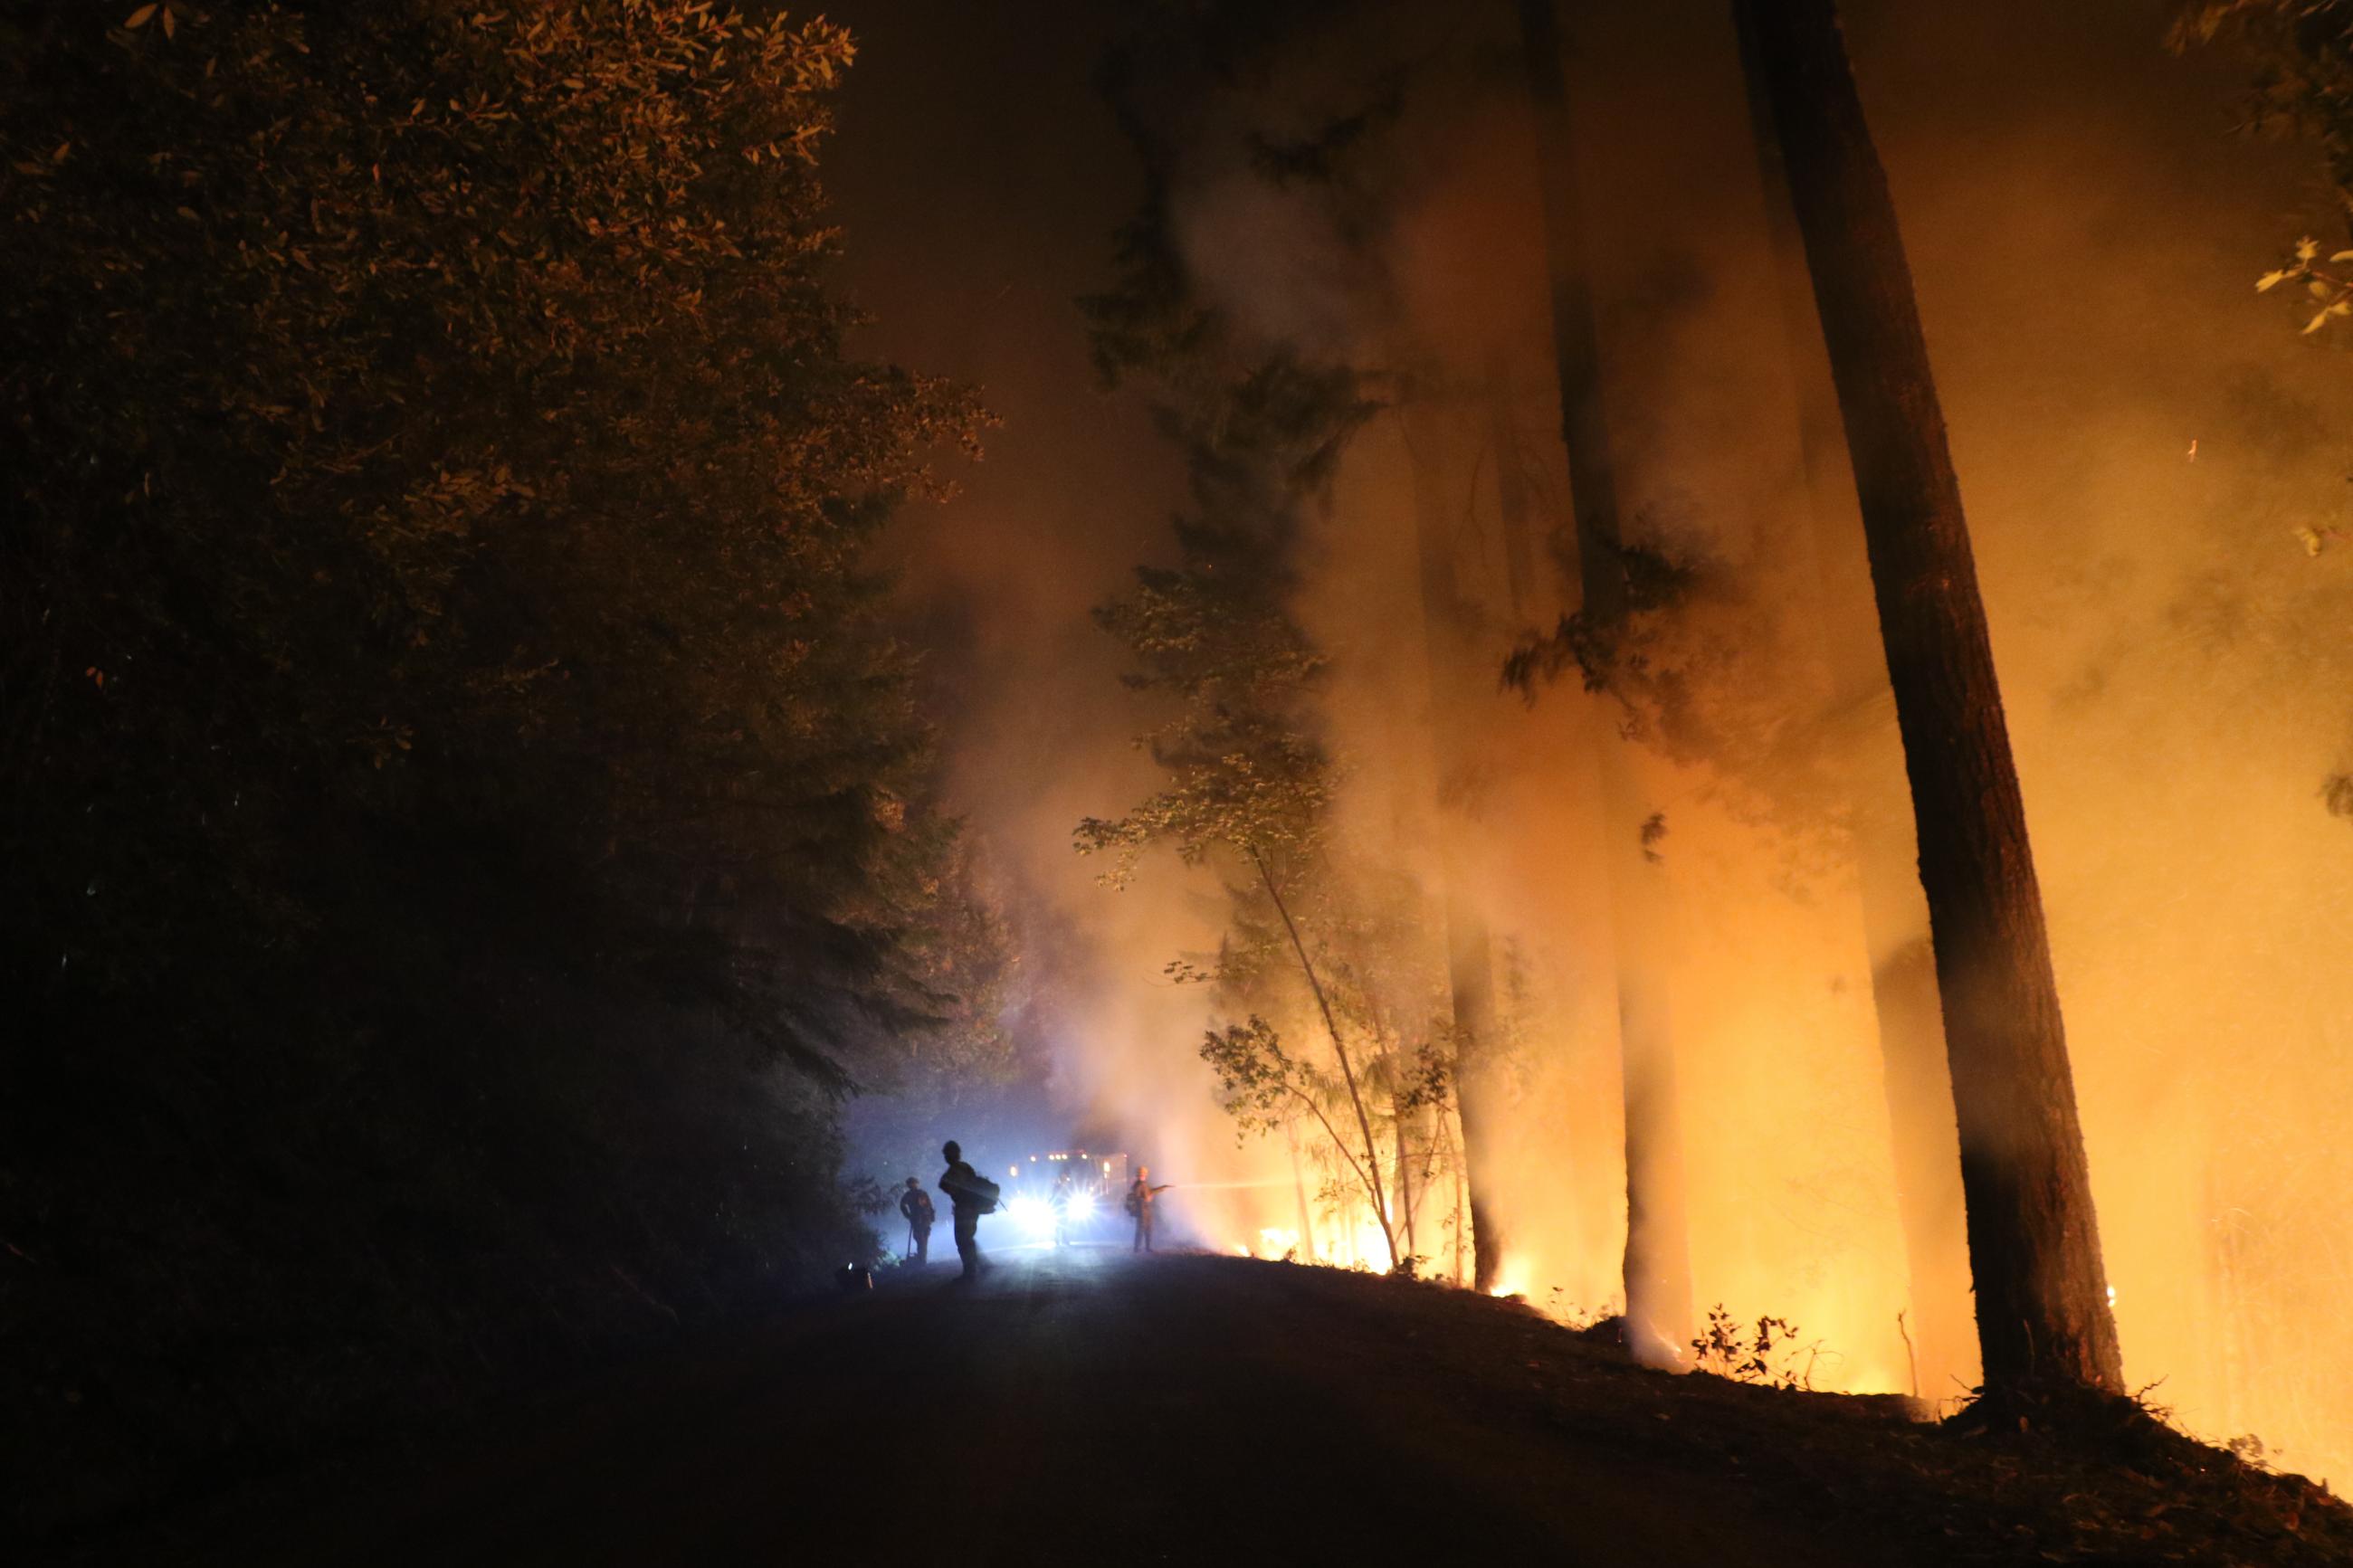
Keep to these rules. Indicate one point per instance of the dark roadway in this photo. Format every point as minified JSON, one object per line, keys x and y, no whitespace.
{"x":1077,"y":1407}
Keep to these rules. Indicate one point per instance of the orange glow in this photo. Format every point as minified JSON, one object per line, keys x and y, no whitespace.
{"x":2168,"y":626}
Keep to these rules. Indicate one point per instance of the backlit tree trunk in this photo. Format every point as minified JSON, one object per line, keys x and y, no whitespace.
{"x":1514,"y":510}
{"x":1449,"y":639}
{"x":1461,"y":1207}
{"x":1368,"y":1170}
{"x":1658,"y":1251}
{"x":1894,"y":913}
{"x":1403,"y":1186}
{"x":2043,"y":1308}
{"x":1306,"y":1251}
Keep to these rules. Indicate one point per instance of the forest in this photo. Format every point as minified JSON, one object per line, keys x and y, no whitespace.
{"x":1720,"y":651}
{"x":1682,"y":667}
{"x":470,"y":817}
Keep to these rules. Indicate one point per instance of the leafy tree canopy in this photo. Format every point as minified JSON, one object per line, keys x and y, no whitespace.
{"x":461,"y":792}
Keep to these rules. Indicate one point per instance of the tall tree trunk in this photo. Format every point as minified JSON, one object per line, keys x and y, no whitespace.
{"x":2043,"y":1308}
{"x":1450,"y":628}
{"x":1306,"y":1249}
{"x":1404,"y":1187}
{"x":1514,"y":512}
{"x":1462,"y":1206}
{"x":1658,"y":1248}
{"x":1369,"y":1172}
{"x":1894,"y":913}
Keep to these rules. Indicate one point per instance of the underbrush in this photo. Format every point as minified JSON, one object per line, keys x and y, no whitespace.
{"x":192,"y":1300}
{"x":2029,"y":1477}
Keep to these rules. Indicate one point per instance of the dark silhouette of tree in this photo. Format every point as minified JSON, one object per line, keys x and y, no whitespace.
{"x":1450,"y":639}
{"x":2302,"y":52}
{"x":1658,"y":1250}
{"x":1352,"y":169}
{"x":1237,"y":782}
{"x":467,"y":816}
{"x":1870,"y":776}
{"x":2043,"y":1316}
{"x":1247,"y":777}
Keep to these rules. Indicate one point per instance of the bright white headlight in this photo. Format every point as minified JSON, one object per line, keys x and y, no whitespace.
{"x":1081,"y":1205}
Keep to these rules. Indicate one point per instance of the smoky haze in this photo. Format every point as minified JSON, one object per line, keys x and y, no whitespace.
{"x":2139,"y":435}
{"x":1017,"y":171}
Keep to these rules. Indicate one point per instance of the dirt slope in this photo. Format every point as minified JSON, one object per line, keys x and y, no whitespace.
{"x":1083,"y":1406}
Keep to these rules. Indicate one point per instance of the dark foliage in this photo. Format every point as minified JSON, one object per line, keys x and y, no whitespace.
{"x":2302,"y":55}
{"x":465,"y":818}
{"x":1611,"y":653}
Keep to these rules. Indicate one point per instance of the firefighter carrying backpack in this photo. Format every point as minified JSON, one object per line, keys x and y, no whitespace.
{"x":983,"y":1191}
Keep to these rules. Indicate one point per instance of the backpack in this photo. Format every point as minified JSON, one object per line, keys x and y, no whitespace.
{"x":1134,"y":1205}
{"x":981,"y":1190}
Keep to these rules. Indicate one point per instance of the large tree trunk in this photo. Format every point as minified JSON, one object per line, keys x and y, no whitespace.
{"x":1449,"y":630}
{"x":1306,"y":1249}
{"x":2043,"y":1308}
{"x":1658,"y":1250}
{"x":1894,"y":913}
{"x":1514,"y":512}
{"x":1403,"y":1186}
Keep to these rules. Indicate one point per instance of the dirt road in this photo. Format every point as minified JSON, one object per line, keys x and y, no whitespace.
{"x":1078,"y":1407}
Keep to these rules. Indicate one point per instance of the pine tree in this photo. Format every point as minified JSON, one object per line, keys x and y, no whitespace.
{"x":1450,"y":640}
{"x":1905,"y":1000}
{"x":2043,"y":1316}
{"x":1658,"y":1250}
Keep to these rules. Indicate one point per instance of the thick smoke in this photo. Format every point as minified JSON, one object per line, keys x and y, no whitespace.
{"x":2148,"y":455}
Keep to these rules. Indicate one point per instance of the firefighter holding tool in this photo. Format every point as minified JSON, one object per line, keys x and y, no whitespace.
{"x":916,"y":1204}
{"x":1141,"y":1194}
